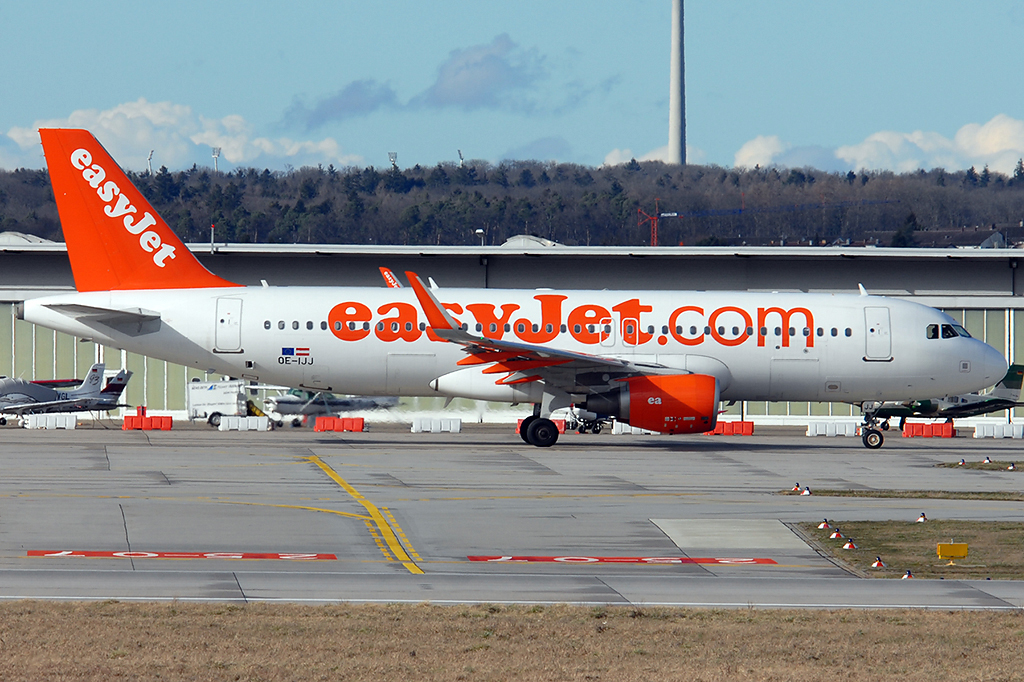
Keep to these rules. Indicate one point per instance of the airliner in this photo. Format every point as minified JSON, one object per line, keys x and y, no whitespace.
{"x":660,"y":360}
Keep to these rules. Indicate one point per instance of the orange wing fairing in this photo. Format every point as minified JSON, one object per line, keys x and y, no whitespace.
{"x":522,"y":365}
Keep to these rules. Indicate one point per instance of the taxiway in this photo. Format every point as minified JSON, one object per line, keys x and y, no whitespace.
{"x":293,"y":515}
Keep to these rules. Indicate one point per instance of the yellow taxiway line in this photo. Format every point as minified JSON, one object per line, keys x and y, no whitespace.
{"x":385,"y":529}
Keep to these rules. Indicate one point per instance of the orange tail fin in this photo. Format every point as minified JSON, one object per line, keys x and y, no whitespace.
{"x":115,"y":238}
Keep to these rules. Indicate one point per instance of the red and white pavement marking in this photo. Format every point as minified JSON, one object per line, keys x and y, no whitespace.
{"x":622,"y":560}
{"x":181,"y":555}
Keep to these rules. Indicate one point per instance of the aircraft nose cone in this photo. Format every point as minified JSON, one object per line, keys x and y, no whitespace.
{"x":994,"y":364}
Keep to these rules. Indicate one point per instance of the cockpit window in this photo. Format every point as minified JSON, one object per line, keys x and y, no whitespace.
{"x":951,"y":331}
{"x":932,"y":331}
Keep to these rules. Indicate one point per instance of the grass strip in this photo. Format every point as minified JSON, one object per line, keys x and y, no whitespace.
{"x":994,"y":547}
{"x":1004,"y":496}
{"x":45,"y":641}
{"x":981,"y":466}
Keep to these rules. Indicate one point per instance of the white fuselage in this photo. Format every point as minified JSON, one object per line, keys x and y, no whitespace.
{"x":371,"y":341}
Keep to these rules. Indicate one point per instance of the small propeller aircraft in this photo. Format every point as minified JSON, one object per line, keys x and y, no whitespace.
{"x":20,"y":397}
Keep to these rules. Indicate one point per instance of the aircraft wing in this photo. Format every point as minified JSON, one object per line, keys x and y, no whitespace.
{"x":524,"y":362}
{"x":69,"y":405}
{"x":57,"y":383}
{"x":976,"y":409}
{"x":133,"y":321}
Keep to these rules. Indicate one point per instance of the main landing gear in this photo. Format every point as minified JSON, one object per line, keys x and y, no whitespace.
{"x":538,"y":431}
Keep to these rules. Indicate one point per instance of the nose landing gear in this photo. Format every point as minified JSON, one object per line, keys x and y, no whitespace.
{"x":871,"y":437}
{"x":871,"y":429}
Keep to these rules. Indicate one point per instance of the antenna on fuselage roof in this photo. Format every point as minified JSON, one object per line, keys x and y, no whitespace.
{"x":863,"y":291}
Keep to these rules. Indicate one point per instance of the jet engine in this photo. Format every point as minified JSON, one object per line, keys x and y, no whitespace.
{"x":674,"y":403}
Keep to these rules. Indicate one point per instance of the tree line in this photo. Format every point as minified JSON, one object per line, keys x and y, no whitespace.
{"x":567,"y":203}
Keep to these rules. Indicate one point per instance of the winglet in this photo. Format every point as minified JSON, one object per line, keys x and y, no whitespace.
{"x":390,"y":279}
{"x":863,"y":291}
{"x":437,"y":316}
{"x":115,"y":238}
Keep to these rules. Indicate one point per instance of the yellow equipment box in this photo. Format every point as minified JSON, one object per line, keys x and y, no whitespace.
{"x":951,"y":550}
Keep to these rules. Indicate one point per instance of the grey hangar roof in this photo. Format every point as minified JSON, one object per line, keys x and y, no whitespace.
{"x":963,"y":278}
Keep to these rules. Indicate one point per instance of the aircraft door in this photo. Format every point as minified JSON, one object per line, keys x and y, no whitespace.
{"x":878,"y":341}
{"x":228,"y":332}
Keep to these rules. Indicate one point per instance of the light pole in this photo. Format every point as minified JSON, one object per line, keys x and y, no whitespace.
{"x":480,"y":233}
{"x":149,"y":160}
{"x":216,"y":155}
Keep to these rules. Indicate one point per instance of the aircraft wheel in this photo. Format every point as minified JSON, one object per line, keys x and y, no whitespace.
{"x":872,"y":438}
{"x":296,"y":423}
{"x":595,"y":429}
{"x":581,"y":429}
{"x":542,"y":432}
{"x":885,"y":425}
{"x":525,"y":427}
{"x":3,"y":421}
{"x":214,"y":419}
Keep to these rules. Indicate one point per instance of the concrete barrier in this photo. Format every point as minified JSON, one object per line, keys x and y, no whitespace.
{"x":832,"y":429}
{"x":560,"y":423}
{"x":999,"y":431}
{"x":134,"y":422}
{"x":732,"y":428}
{"x":351,"y":424}
{"x":428,"y":425}
{"x":929,"y":430}
{"x":50,"y":421}
{"x":620,"y":429}
{"x":231,"y":423}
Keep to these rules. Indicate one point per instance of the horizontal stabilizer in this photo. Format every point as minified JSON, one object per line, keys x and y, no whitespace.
{"x":131,"y":321}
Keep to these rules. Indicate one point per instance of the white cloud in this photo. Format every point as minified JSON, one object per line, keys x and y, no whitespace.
{"x":619,"y":156}
{"x":761,"y":151}
{"x":999,"y":143}
{"x":180,"y":137}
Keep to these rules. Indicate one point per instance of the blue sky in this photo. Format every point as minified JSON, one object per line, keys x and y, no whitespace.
{"x":873,"y":84}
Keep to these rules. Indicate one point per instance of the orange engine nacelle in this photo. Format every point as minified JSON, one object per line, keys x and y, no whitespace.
{"x":676,"y":403}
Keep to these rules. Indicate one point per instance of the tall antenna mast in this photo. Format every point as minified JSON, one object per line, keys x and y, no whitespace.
{"x":149,"y":160}
{"x":677,"y":90}
{"x":216,"y":155}
{"x":393,"y":158}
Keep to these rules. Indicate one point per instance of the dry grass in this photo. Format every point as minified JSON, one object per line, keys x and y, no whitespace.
{"x":983,"y":466}
{"x":59,"y":641}
{"x":994,"y":547}
{"x":1005,"y":496}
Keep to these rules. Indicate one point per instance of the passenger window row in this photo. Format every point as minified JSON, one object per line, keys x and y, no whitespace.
{"x":948,"y":331}
{"x":281,"y":324}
